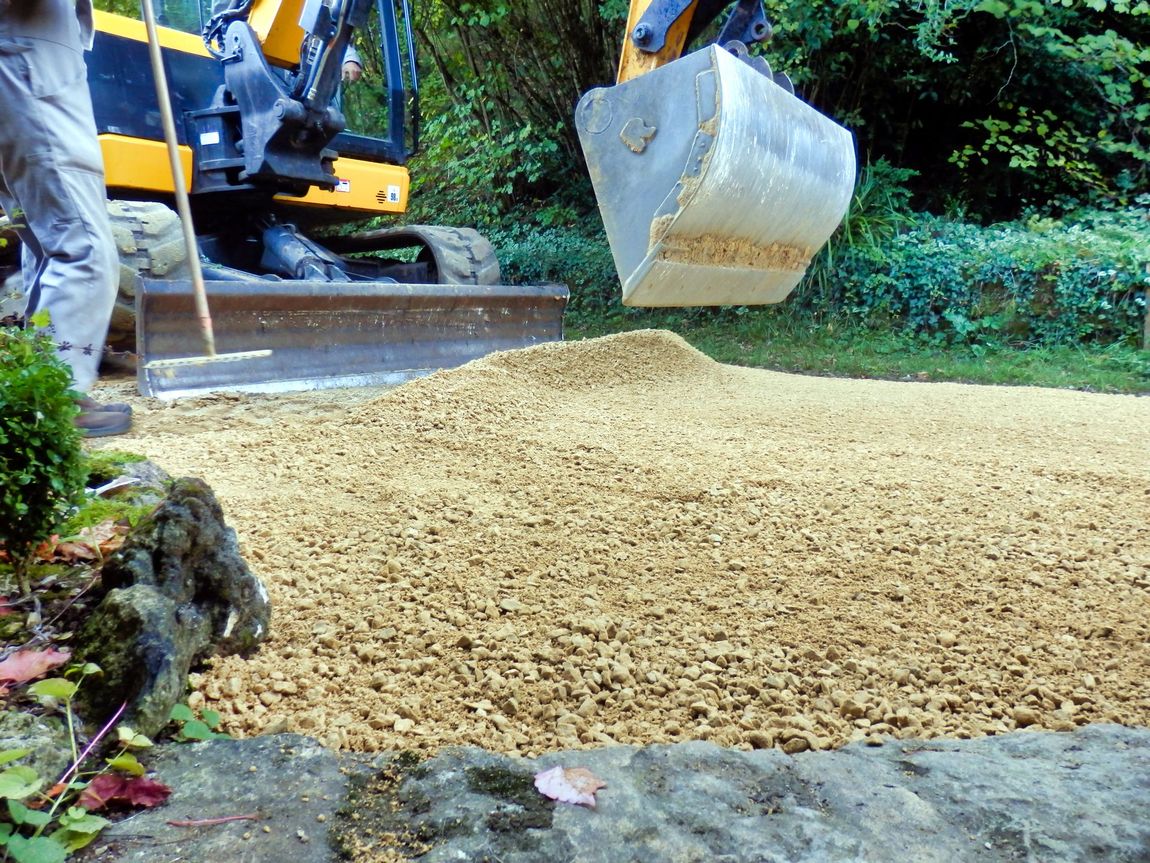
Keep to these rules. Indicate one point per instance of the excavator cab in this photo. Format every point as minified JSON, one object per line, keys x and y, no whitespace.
{"x":716,"y":183}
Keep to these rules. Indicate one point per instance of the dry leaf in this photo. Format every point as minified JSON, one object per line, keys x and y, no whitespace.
{"x":576,"y":785}
{"x":106,"y":536}
{"x":108,"y":788}
{"x":25,"y":665}
{"x":91,"y":543}
{"x":74,"y":552}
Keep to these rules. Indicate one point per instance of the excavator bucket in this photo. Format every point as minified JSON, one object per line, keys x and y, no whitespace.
{"x":716,"y":184}
{"x":332,"y":334}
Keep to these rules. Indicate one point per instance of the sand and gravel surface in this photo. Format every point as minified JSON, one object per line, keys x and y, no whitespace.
{"x":620,"y":540}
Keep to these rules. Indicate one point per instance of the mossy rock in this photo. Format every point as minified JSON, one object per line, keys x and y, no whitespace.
{"x":45,"y":737}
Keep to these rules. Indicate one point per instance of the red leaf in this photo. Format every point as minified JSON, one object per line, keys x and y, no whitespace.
{"x":6,"y":607}
{"x":108,"y":788}
{"x":145,"y":792}
{"x":101,"y":791}
{"x":25,"y":665}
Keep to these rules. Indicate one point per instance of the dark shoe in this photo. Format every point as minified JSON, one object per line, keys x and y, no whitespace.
{"x":87,"y":404}
{"x":102,"y":423}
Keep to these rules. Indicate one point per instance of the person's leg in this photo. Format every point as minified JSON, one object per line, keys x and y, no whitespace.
{"x":53,"y":170}
{"x":29,"y":246}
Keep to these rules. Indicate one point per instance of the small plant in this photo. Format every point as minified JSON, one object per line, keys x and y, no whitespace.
{"x":192,"y":728}
{"x":41,"y":466}
{"x":47,"y":824}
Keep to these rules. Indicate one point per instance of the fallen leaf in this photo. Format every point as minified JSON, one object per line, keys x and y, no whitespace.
{"x":106,"y":536}
{"x":6,"y":607}
{"x":91,"y":543}
{"x":576,"y":785}
{"x":72,"y":551}
{"x":148,"y":793}
{"x":25,"y":665}
{"x":46,"y":550}
{"x":108,"y":788}
{"x":100,"y":791}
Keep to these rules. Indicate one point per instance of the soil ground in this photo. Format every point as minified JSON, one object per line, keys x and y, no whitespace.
{"x":619,"y":540}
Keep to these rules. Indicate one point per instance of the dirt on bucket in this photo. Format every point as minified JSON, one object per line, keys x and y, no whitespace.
{"x":622,"y":541}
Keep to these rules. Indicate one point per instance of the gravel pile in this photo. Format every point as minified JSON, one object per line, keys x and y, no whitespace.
{"x":621,"y":541}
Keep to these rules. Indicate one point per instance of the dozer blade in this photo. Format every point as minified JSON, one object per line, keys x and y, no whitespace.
{"x":715,"y":184}
{"x":329,"y":334}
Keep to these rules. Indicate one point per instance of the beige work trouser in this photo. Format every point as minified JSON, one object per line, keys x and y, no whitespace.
{"x":52,"y":187}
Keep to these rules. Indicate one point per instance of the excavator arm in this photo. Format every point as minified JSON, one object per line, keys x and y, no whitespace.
{"x":659,"y":30}
{"x":256,"y":121}
{"x":274,"y":126}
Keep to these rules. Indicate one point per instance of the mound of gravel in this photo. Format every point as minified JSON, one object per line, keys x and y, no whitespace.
{"x":621,"y":541}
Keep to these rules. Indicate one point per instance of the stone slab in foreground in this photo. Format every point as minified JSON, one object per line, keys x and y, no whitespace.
{"x":1081,"y":796}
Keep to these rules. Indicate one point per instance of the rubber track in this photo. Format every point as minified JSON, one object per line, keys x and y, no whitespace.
{"x":463,"y":256}
{"x":150,"y":243}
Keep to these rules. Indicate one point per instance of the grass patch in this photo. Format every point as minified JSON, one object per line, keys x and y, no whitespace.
{"x":104,"y":465}
{"x":772,"y":339}
{"x":98,"y":511}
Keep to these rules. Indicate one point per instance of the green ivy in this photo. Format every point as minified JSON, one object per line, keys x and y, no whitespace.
{"x":1041,"y":282}
{"x":575,"y":254}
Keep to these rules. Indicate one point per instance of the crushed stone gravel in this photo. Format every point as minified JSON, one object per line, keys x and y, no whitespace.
{"x":621,"y":541}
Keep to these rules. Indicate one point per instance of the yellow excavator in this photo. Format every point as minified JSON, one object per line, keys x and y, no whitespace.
{"x":715,"y":183}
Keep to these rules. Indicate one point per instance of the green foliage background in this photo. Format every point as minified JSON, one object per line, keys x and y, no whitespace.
{"x":1000,"y":106}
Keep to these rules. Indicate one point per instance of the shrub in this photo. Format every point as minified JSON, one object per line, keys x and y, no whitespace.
{"x":879,"y":210}
{"x":41,"y":466}
{"x":1042,"y":282}
{"x":575,"y":254}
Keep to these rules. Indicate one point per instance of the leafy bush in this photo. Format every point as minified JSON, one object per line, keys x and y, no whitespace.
{"x":575,"y":254}
{"x":1041,"y":282}
{"x":472,"y":174}
{"x":41,"y":467}
{"x":879,"y":209}
{"x":998,"y":104}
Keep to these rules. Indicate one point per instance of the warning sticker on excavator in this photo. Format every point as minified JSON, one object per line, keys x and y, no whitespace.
{"x":393,"y":194}
{"x":342,"y":185}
